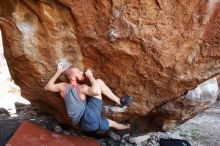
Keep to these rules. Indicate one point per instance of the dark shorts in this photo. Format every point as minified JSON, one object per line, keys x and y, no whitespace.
{"x":92,"y":119}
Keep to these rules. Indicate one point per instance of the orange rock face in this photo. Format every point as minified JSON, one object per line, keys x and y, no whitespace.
{"x":154,"y":50}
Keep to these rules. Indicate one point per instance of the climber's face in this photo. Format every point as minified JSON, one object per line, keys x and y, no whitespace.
{"x":79,"y":74}
{"x":74,"y":73}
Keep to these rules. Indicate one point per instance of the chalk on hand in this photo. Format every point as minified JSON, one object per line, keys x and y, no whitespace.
{"x":65,"y":62}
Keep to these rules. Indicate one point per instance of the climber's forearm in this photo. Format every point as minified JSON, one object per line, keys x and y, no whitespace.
{"x":95,"y":86}
{"x":52,"y":80}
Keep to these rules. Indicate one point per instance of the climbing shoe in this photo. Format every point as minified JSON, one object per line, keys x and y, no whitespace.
{"x":126,"y":100}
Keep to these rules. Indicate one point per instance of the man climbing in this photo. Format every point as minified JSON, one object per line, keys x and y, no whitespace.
{"x":83,"y":102}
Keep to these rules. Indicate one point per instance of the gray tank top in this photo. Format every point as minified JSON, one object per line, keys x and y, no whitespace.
{"x":74,"y":104}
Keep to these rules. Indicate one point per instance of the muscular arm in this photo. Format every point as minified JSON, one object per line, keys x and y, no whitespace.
{"x":95,"y":87}
{"x":93,"y":90}
{"x":51,"y":86}
{"x":87,"y":90}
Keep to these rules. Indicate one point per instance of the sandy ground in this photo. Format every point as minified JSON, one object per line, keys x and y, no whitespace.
{"x":204,"y":129}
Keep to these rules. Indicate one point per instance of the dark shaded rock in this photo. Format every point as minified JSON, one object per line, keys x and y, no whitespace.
{"x":8,"y":127}
{"x":181,"y":109}
{"x":4,"y":112}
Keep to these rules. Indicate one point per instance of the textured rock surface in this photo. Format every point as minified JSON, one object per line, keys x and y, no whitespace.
{"x":155,"y":50}
{"x":171,"y":113}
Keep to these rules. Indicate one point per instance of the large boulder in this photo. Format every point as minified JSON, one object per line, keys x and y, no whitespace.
{"x":155,"y":50}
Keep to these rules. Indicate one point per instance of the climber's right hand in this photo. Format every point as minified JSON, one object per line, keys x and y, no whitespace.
{"x":60,"y":67}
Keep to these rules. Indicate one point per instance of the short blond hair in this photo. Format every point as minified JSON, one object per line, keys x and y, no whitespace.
{"x":69,"y":73}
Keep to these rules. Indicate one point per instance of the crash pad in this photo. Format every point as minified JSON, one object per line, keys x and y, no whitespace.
{"x":33,"y":135}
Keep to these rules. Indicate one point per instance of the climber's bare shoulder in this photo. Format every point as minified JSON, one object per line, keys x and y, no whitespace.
{"x":62,"y":87}
{"x":59,"y":87}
